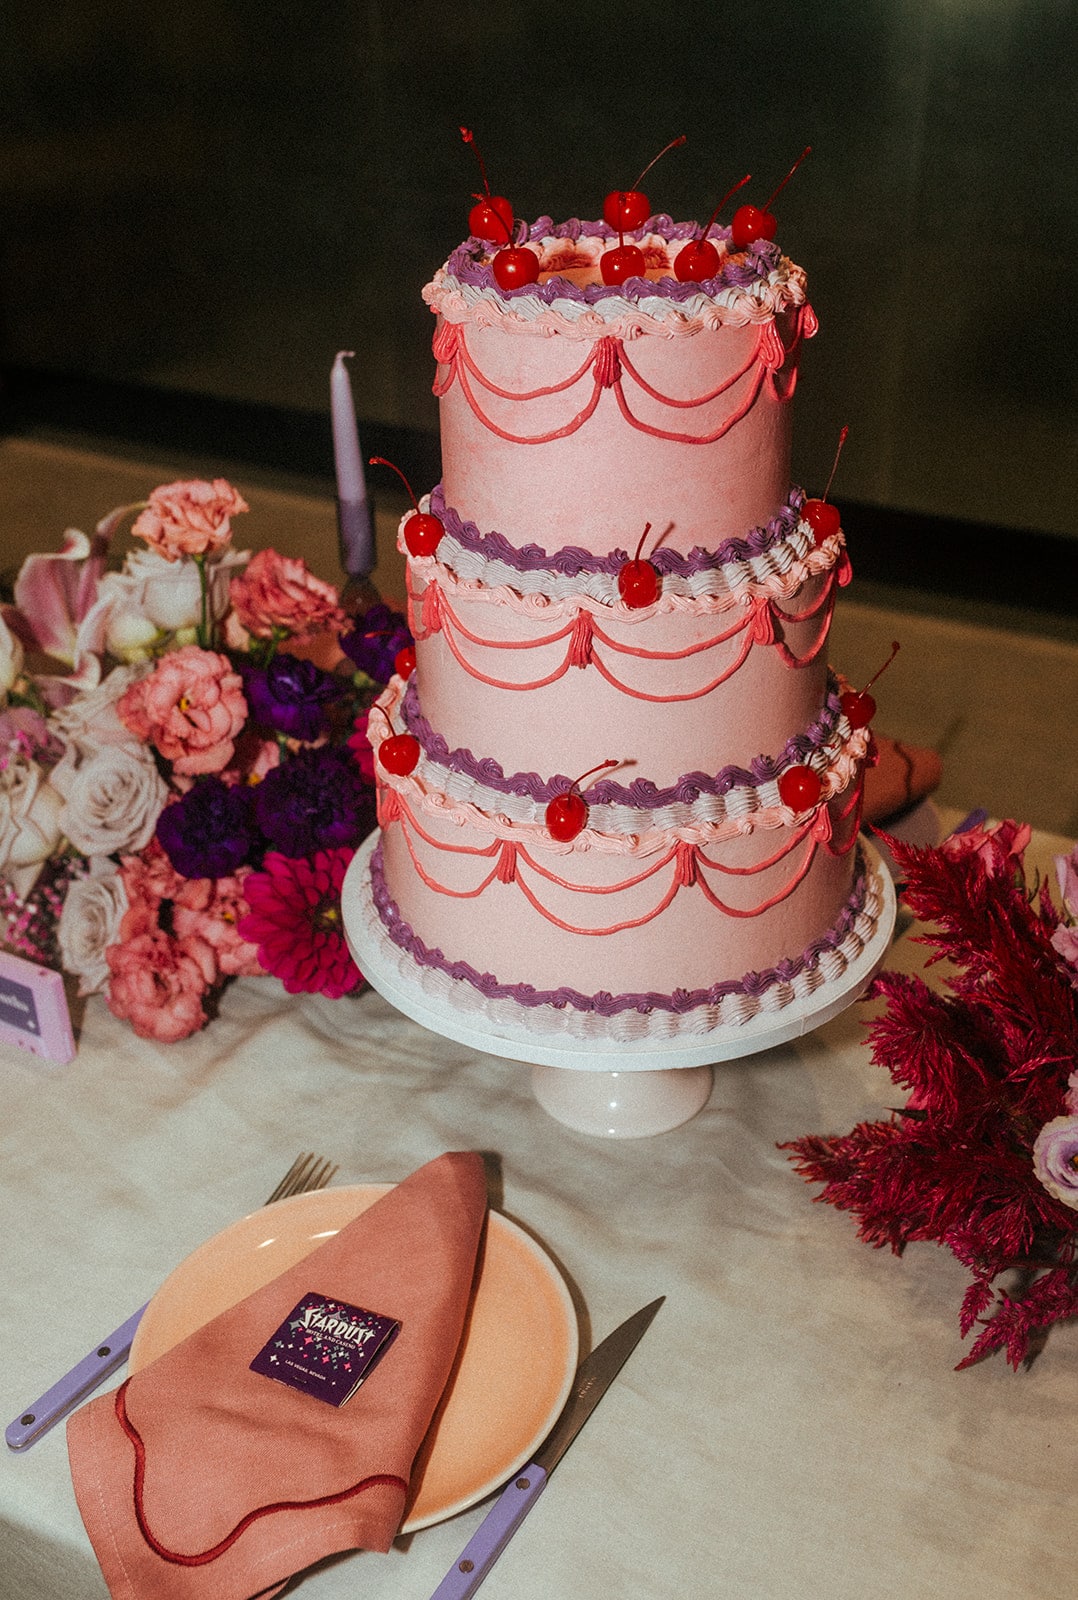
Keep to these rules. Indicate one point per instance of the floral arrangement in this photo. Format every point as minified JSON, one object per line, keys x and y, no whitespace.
{"x":182,"y":783}
{"x":983,"y":1157}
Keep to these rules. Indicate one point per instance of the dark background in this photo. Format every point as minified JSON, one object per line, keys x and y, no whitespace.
{"x":201,"y":204}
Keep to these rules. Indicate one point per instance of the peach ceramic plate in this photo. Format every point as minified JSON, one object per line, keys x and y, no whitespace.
{"x":518,"y":1356}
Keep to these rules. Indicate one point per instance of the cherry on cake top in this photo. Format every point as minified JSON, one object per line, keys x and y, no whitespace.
{"x":567,"y":261}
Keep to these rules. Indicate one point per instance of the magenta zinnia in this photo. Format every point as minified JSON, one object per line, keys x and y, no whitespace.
{"x":295,"y":920}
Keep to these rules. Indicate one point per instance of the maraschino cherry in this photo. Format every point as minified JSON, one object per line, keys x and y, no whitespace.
{"x":627,"y":261}
{"x":422,"y":531}
{"x":492,"y":215}
{"x":699,"y":259}
{"x":759,"y":222}
{"x":822,"y":517}
{"x":626,"y":209}
{"x":638,"y":581}
{"x":800,"y":788}
{"x":567,"y":814}
{"x":399,"y":754}
{"x":404,"y":662}
{"x":858,"y":706}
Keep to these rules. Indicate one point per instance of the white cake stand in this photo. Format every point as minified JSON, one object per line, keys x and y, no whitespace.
{"x":611,"y":1088}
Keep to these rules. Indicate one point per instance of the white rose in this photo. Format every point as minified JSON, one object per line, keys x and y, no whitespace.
{"x":152,"y":596}
{"x":90,"y":719}
{"x":89,"y":923}
{"x":113,"y":797}
{"x":11,"y":657}
{"x":30,"y":825}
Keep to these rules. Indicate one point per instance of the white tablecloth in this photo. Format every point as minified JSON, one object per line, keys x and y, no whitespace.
{"x":791,"y":1424}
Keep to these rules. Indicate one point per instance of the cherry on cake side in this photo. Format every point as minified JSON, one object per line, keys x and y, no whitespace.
{"x":857,"y":704}
{"x":567,"y":814}
{"x":422,"y":531}
{"x":823,"y":517}
{"x":639,"y":582}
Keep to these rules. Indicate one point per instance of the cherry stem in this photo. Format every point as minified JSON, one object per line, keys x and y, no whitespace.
{"x":894,"y":651}
{"x":746,"y":179}
{"x":603,"y":765}
{"x":640,"y":546}
{"x":380,"y":461}
{"x":673,"y":145}
{"x":469,"y":138}
{"x":383,"y":713}
{"x":805,"y":152}
{"x":834,"y":465}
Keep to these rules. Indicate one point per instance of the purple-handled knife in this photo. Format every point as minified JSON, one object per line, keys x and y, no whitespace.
{"x":593,"y":1378}
{"x":93,"y":1369}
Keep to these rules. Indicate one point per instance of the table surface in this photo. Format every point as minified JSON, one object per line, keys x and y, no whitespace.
{"x":791,"y":1423}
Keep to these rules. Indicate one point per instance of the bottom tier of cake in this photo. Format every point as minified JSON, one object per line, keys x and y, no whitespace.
{"x":501,"y":1013}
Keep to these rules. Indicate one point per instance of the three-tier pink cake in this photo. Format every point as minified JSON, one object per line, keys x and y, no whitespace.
{"x":693,"y":898}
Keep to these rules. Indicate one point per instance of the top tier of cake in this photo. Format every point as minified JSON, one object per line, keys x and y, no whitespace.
{"x":560,"y":400}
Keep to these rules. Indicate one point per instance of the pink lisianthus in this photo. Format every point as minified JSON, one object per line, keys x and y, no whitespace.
{"x":189,"y":519}
{"x":999,"y":847}
{"x":191,"y":709}
{"x":158,"y":984}
{"x":212,"y":909}
{"x":280,"y":595}
{"x":295,"y":920}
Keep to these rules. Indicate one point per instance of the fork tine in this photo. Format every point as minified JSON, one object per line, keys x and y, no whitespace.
{"x":307,"y":1172}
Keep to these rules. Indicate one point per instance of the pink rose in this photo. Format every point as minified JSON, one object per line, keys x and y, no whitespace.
{"x":997,"y":847}
{"x":189,"y":519}
{"x":279,"y":594}
{"x":157,"y":983}
{"x":191,"y":709}
{"x":211,"y":909}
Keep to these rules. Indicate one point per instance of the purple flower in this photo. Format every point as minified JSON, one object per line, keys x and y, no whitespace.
{"x":208,"y":832}
{"x":1055,"y":1159}
{"x":379,"y":634}
{"x":290,"y":696}
{"x":315,"y":800}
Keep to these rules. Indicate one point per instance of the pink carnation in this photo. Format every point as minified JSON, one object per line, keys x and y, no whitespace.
{"x":212,"y":909}
{"x":295,"y":920}
{"x":158,"y":984}
{"x":189,"y":519}
{"x":278,"y":594}
{"x":190,"y":708}
{"x":148,"y":878}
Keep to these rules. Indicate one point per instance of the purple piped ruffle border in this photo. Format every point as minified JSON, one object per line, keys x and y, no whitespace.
{"x":753,"y":984}
{"x":641,"y":793}
{"x":470,"y":263}
{"x":571,"y":560}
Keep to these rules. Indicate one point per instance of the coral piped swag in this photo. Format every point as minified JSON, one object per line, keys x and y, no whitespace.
{"x":181,"y":785}
{"x":983,"y":1157}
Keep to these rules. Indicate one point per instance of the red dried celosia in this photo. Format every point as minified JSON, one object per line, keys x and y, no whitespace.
{"x":986,"y":1064}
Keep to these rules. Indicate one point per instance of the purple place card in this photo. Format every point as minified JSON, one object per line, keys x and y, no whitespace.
{"x":326,"y":1348}
{"x":33,"y":1009}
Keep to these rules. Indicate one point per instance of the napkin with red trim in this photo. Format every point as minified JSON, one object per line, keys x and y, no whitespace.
{"x":201,"y":1478}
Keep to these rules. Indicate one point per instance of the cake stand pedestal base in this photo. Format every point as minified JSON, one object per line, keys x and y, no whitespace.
{"x":622,"y":1105}
{"x":612,"y":1088}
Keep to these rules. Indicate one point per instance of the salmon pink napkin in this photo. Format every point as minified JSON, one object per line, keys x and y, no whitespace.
{"x":199,"y":1479}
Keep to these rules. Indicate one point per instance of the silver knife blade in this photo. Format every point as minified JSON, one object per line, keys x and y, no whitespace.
{"x":593,"y":1378}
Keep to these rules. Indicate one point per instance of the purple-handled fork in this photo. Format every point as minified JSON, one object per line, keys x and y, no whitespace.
{"x":307,"y":1172}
